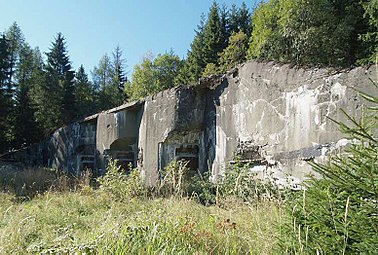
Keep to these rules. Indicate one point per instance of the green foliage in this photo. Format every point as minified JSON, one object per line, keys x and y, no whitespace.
{"x":107,"y":77}
{"x":203,"y":188}
{"x":211,"y":39}
{"x":239,"y":20}
{"x":241,"y":183}
{"x":195,"y":62}
{"x":310,"y":33}
{"x":211,"y":69}
{"x":337,"y":214}
{"x":85,"y":94}
{"x":61,"y":76}
{"x":24,"y":126}
{"x":76,"y":223}
{"x":235,"y":53}
{"x":369,"y":36}
{"x":120,"y":185}
{"x":264,"y":42}
{"x":175,"y":179}
{"x":5,"y":97}
{"x":154,"y":75}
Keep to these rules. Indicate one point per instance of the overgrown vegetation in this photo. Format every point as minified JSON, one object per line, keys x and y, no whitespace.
{"x":27,"y":183}
{"x":123,"y":216}
{"x":187,"y":213}
{"x":337,"y":214}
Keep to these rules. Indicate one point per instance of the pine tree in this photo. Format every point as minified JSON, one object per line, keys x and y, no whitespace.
{"x":195,"y":62}
{"x":60,"y":75}
{"x":5,"y":100}
{"x":85,"y":94}
{"x":24,"y":126}
{"x":213,"y":39}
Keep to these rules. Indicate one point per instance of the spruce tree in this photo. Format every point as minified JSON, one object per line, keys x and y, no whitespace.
{"x":195,"y":62}
{"x":337,"y":214}
{"x":60,"y":75}
{"x":85,"y":94}
{"x":213,"y":39}
{"x":24,"y":125}
{"x":117,"y":89}
{"x":5,"y":100}
{"x":16,"y":41}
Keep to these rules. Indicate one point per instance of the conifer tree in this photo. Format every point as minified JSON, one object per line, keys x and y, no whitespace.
{"x":53,"y":91}
{"x":117,"y":89}
{"x":5,"y":100}
{"x":213,"y":39}
{"x":16,"y":41}
{"x":24,"y":126}
{"x":85,"y":94}
{"x":59,"y":70}
{"x":195,"y":62}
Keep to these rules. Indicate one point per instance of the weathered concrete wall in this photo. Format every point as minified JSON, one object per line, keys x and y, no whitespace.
{"x":66,"y":147}
{"x":270,"y":115}
{"x":117,"y":134}
{"x":171,"y":118}
{"x":284,"y":111}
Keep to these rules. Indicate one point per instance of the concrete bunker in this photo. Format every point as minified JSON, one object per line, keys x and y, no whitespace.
{"x":181,"y":146}
{"x":124,"y":151}
{"x":118,"y":135}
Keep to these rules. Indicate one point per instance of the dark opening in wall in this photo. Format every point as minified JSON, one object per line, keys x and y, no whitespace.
{"x":188,"y":152}
{"x":86,"y":163}
{"x":125,"y":160}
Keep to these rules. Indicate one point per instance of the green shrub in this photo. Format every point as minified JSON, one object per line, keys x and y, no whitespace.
{"x":120,"y":185}
{"x":240,"y":182}
{"x":202,"y":188}
{"x":175,"y":179}
{"x":338,"y":214}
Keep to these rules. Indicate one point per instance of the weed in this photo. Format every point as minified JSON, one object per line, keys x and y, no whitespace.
{"x":121,"y":185}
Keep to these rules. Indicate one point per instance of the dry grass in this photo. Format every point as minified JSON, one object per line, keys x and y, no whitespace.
{"x":91,"y":222}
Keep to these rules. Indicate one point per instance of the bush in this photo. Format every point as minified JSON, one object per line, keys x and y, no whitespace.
{"x":175,"y":179}
{"x":240,"y":182}
{"x":338,"y":214}
{"x":202,"y":188}
{"x":120,"y":185}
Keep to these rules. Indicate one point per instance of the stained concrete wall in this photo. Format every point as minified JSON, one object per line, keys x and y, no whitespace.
{"x":118,"y":130}
{"x":272,"y":116}
{"x":284,"y":112}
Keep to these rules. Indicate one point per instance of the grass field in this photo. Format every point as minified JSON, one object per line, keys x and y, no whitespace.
{"x":90,"y":222}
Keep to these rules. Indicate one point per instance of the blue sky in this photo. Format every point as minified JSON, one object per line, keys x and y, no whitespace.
{"x":93,"y":28}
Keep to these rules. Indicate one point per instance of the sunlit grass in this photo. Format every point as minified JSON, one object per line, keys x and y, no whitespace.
{"x":91,"y":222}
